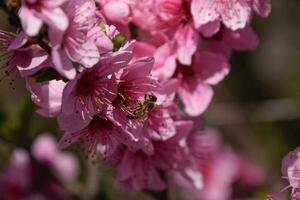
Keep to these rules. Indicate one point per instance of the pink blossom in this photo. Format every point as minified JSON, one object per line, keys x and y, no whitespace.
{"x":143,"y":49}
{"x":16,"y":179}
{"x":94,"y":89}
{"x":38,"y":59}
{"x":234,"y":14}
{"x":138,"y":171}
{"x":20,"y":55}
{"x":73,"y":44}
{"x":39,"y":174}
{"x":132,"y":11}
{"x":290,"y":169}
{"x":160,"y":125}
{"x":147,"y":14}
{"x":220,"y":167}
{"x":100,"y":138}
{"x":241,"y":40}
{"x":116,"y":11}
{"x":250,"y":173}
{"x":10,"y":43}
{"x":295,"y":194}
{"x":47,"y":95}
{"x":171,"y":21}
{"x":144,"y":107}
{"x":131,"y":103}
{"x":102,"y":36}
{"x":171,"y":10}
{"x":45,"y":150}
{"x":114,"y":100}
{"x":219,"y":177}
{"x":195,"y":81}
{"x":165,"y":61}
{"x":194,"y":89}
{"x":187,"y":42}
{"x":262,"y":7}
{"x":34,"y":12}
{"x":181,"y":48}
{"x":157,"y":15}
{"x":135,"y":84}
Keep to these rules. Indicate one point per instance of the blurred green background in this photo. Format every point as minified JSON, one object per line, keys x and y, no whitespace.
{"x":256,"y":108}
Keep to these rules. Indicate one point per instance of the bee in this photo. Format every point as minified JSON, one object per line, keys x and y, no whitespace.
{"x":143,"y":107}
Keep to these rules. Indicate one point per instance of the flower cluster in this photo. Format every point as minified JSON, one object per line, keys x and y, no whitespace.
{"x":128,"y":80}
{"x":39,"y":174}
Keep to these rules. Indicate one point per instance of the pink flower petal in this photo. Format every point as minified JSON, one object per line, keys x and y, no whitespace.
{"x":195,"y":97}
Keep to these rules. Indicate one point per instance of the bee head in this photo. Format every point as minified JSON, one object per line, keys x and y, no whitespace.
{"x":150,"y":98}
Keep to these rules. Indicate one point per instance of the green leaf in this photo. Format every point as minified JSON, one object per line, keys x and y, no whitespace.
{"x":118,"y":41}
{"x":17,"y":126}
